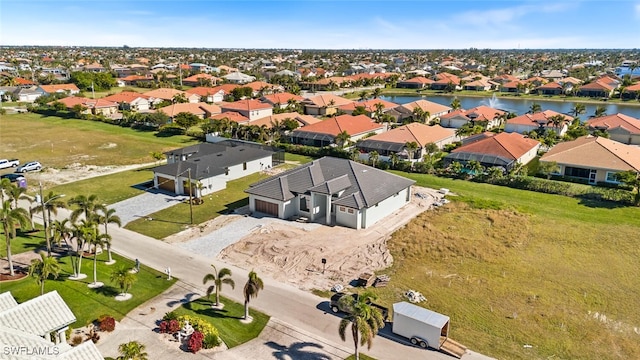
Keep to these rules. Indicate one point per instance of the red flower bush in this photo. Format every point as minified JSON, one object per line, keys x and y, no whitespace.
{"x":195,"y":341}
{"x":174,"y":326}
{"x":108,"y":324}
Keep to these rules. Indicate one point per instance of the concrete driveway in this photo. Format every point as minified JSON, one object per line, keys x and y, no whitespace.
{"x":145,"y":204}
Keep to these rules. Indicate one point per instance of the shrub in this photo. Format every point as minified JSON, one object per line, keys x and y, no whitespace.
{"x":173,"y":326}
{"x":102,"y":317}
{"x":195,"y":341}
{"x":171,"y":315}
{"x":199,"y":325}
{"x":164,"y":327}
{"x":76,"y":340}
{"x":108,"y":324}
{"x":211,"y":341}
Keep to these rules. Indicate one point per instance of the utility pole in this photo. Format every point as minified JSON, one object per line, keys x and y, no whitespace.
{"x":190,"y":197}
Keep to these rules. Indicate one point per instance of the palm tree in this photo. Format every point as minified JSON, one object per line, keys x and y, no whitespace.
{"x":82,"y":232}
{"x":12,"y":218}
{"x":16,"y":193}
{"x":41,"y":268}
{"x":5,"y":185}
{"x":534,"y":108}
{"x":354,"y":155}
{"x":364,"y":95}
{"x":365,"y":320}
{"x":86,"y":205}
{"x":251,"y":290}
{"x":374,"y":157}
{"x":97,"y":240}
{"x":601,"y":110}
{"x":376,"y":93}
{"x":218,"y":277}
{"x":60,"y":231}
{"x":475,"y":167}
{"x":132,"y":350}
{"x":108,"y":216}
{"x":394,"y":159}
{"x":377,"y":114}
{"x":578,"y":109}
{"x":123,"y":278}
{"x":455,"y":104}
{"x":411,"y":148}
{"x":342,"y":138}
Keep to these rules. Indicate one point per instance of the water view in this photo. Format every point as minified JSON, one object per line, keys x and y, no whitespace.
{"x":520,"y":106}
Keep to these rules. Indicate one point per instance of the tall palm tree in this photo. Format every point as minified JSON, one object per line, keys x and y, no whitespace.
{"x":455,"y":104}
{"x":16,"y":193}
{"x":108,"y":216}
{"x":251,"y":290}
{"x":411,"y":148}
{"x":60,"y":231}
{"x":86,"y":205}
{"x":364,"y":95}
{"x":601,"y":110}
{"x":52,"y":202}
{"x":97,"y":240}
{"x":10,"y":219}
{"x":41,"y":268}
{"x":342,"y":138}
{"x":394,"y":159}
{"x":123,"y":278}
{"x":365,"y":320}
{"x":218,"y":277}
{"x":5,"y":185}
{"x":374,"y":157}
{"x":376,"y":93}
{"x":83,"y":232}
{"x":535,"y":108}
{"x":132,"y":350}
{"x":578,"y":109}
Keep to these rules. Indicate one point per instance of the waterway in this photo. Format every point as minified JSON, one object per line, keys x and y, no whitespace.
{"x":520,"y":106}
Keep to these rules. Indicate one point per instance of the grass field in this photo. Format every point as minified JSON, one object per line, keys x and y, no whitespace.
{"x":87,"y":304}
{"x":514,"y":268}
{"x":227,"y":320}
{"x":24,"y":241}
{"x":57,"y":142}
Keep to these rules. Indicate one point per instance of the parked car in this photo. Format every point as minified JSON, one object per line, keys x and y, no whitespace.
{"x":30,"y":166}
{"x":12,"y":177}
{"x":7,"y":163}
{"x":337,"y":306}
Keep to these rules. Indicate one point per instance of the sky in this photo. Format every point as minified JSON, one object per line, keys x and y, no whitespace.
{"x":317,"y":24}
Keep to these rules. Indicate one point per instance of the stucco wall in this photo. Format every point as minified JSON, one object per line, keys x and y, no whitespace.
{"x":346,"y":219}
{"x":384,"y":208}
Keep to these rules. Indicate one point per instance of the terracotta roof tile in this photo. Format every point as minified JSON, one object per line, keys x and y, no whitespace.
{"x":59,"y":87}
{"x":281,"y":98}
{"x":232,"y":116}
{"x":542,"y":117}
{"x":353,"y":125}
{"x":432,"y":107}
{"x":506,"y":145}
{"x":199,"y":109}
{"x":609,"y":122}
{"x":602,"y":153}
{"x":303,"y":120}
{"x":325,"y":100}
{"x":369,"y":105}
{"x":125,"y":96}
{"x":245,"y":105}
{"x":420,"y":133}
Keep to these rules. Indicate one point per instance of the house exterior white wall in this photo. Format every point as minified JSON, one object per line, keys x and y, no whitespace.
{"x":519,"y":128}
{"x":384,"y":208}
{"x":624,"y":136}
{"x":529,"y":155}
{"x":453,"y":123}
{"x":259,"y":114}
{"x":140,"y":104}
{"x":357,"y":137}
{"x":283,"y":207}
{"x":348,"y":217}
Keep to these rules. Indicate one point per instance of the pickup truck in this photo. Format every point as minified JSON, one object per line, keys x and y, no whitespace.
{"x":337,"y":306}
{"x":5,"y":163}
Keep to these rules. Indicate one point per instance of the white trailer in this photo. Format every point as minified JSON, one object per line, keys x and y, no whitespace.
{"x":424,"y":328}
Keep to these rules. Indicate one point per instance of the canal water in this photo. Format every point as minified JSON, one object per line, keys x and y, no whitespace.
{"x":521,"y":106}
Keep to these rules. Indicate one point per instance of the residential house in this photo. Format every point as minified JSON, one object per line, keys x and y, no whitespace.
{"x":331,"y":191}
{"x":208,"y":94}
{"x":552,"y":88}
{"x":201,"y":110}
{"x":70,"y":89}
{"x":201,"y":79}
{"x":536,"y":81}
{"x":516,"y":86}
{"x":552,"y":75}
{"x":480,"y":85}
{"x":261,"y":88}
{"x":24,"y":83}
{"x":504,"y":78}
{"x":368,"y":105}
{"x":39,"y":326}
{"x":324,"y":133}
{"x":302,"y":120}
{"x":445,"y":81}
{"x":232,"y":116}
{"x":395,"y":140}
{"x":418,"y":82}
{"x":478,"y":115}
{"x":631,"y":92}
{"x":168,"y":94}
{"x":136,"y":79}
{"x":26,"y":94}
{"x":208,"y":167}
{"x":503,"y":150}
{"x":251,"y":108}
{"x":536,"y":121}
{"x":324,"y":104}
{"x":620,"y":127}
{"x":281,"y":100}
{"x":131,"y":101}
{"x":238,"y":78}
{"x":91,"y":106}
{"x":593,"y":159}
{"x":406,"y":111}
{"x":603,"y":86}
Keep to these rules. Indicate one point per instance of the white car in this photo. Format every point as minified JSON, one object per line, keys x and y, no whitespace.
{"x":29,"y":166}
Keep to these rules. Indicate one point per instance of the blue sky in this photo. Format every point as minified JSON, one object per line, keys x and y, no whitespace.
{"x":304,"y":24}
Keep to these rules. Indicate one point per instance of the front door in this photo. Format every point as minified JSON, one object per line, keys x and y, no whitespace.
{"x":592,"y":176}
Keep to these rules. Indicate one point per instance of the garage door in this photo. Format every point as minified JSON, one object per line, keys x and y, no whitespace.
{"x":166,"y":184}
{"x":266,"y":207}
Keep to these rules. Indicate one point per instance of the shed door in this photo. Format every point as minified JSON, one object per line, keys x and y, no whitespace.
{"x":166,"y":184}
{"x":267,"y":207}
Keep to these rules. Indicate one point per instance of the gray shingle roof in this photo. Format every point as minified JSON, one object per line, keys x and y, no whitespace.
{"x":363,"y":186}
{"x":39,"y":316}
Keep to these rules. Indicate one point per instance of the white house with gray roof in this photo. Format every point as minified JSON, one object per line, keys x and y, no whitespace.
{"x":331,"y":191}
{"x":209,"y":166}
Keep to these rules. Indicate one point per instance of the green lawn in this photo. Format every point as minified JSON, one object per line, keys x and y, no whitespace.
{"x":58,"y":142}
{"x":24,"y":241}
{"x":300,"y":159}
{"x":87,"y":304}
{"x":110,"y":188}
{"x":227,"y":320}
{"x":513,"y":267}
{"x":176,"y":218}
{"x":362,"y":357}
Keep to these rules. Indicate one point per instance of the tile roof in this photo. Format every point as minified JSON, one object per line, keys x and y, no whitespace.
{"x":353,"y":125}
{"x":164,"y":93}
{"x":303,"y":120}
{"x":602,"y":153}
{"x":417,"y":80}
{"x":258,"y":85}
{"x":204,"y":91}
{"x":363,"y":186}
{"x":619,"y":120}
{"x":483,"y":113}
{"x":245,"y":105}
{"x":505,"y":145}
{"x":199,"y":109}
{"x":231,"y":116}
{"x":369,"y":105}
{"x":226,"y":88}
{"x":550,"y":86}
{"x":325,"y":100}
{"x":432,"y":107}
{"x":136,"y":78}
{"x":597,"y":85}
{"x":59,"y":87}
{"x":71,"y":101}
{"x":415,"y":132}
{"x":196,"y":77}
{"x":631,"y":88}
{"x":7,"y":301}
{"x":23,"y":81}
{"x":39,"y":316}
{"x":281,"y":98}
{"x":125,"y":96}
{"x":539,"y":118}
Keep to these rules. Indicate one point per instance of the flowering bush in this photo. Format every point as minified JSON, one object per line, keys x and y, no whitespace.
{"x":195,"y":341}
{"x":174,"y":326}
{"x":108,"y":324}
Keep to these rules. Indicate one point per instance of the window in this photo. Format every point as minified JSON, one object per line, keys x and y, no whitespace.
{"x":342,"y":209}
{"x":350,"y":211}
{"x":576,"y":172}
{"x":611,"y":178}
{"x":244,"y":166}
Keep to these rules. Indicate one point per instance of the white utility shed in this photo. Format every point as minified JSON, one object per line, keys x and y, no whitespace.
{"x":412,"y":321}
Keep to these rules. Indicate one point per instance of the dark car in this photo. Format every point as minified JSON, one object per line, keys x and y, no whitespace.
{"x":12,"y":177}
{"x":338,"y":306}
